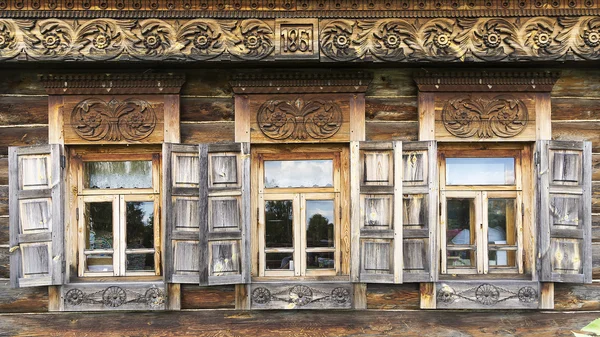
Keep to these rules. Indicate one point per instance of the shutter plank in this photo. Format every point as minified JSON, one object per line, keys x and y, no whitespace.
{"x":37,"y":217}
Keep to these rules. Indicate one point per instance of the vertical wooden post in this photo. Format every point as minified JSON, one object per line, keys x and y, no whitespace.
{"x":427,"y":291}
{"x":546,"y":295}
{"x":171,"y":127}
{"x":357,"y":117}
{"x":426,"y":116}
{"x":242,"y":119}
{"x":242,"y":297}
{"x":360,"y":296}
{"x":55,"y":120}
{"x":54,"y":300}
{"x":173,"y":296}
{"x":543,"y":116}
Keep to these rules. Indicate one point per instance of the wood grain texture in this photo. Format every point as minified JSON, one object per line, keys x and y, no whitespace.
{"x":3,"y":230}
{"x":396,"y":109}
{"x":20,"y":136}
{"x":207,"y":132}
{"x":577,"y":296}
{"x":23,"y":110}
{"x":575,"y":109}
{"x":3,"y":200}
{"x":298,"y":323}
{"x":203,"y":109}
{"x":578,"y":83}
{"x":587,"y":130}
{"x":22,"y":300}
{"x":4,"y":171}
{"x":384,"y":131}
{"x":393,"y":296}
{"x":4,"y":262}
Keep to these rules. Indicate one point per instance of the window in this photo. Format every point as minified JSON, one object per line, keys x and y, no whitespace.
{"x":481,"y":212}
{"x":118,"y":214}
{"x":299,"y":215}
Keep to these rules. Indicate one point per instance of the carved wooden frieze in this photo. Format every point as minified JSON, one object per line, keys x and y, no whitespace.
{"x":395,"y":39}
{"x":487,"y":295}
{"x":121,"y":296}
{"x":301,"y":296}
{"x":502,"y":116}
{"x":299,"y":120}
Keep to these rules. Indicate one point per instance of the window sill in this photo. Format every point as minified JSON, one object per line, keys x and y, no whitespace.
{"x":485,"y":293}
{"x":115,"y":279}
{"x":290,"y":279}
{"x":484,"y":277}
{"x":295,"y":294}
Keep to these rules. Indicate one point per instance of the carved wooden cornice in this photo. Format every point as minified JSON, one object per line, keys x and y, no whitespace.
{"x":112,"y":84}
{"x":488,"y":39}
{"x":301,"y":82}
{"x":488,"y":81}
{"x":270,"y":9}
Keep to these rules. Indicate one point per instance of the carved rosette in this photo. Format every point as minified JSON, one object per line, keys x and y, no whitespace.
{"x":301,"y":296}
{"x":486,"y":294}
{"x":115,"y":297}
{"x":502,"y":116}
{"x":130,"y":120}
{"x":299,"y":120}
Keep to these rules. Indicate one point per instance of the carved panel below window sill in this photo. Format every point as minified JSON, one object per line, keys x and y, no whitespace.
{"x":284,"y":295}
{"x":115,"y":296}
{"x":487,"y":295}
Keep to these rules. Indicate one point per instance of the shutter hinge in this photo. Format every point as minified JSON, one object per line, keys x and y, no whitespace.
{"x":64,"y":266}
{"x":523,"y":210}
{"x":257,"y":214}
{"x":536,"y":158}
{"x":340,"y":213}
{"x":77,"y":213}
{"x":440,"y":209}
{"x":63,"y":161}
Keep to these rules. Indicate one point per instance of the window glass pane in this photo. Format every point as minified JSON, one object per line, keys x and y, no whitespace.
{"x":299,"y":173}
{"x":480,"y":171}
{"x":118,"y":174}
{"x":281,"y":261}
{"x":138,"y":262}
{"x":99,"y":262}
{"x":460,"y":258}
{"x":501,"y":231}
{"x":461,"y":221}
{"x":500,"y":258}
{"x":140,"y":224}
{"x":98,"y":224}
{"x":320,"y":260}
{"x":319,"y":227}
{"x":279,"y":224}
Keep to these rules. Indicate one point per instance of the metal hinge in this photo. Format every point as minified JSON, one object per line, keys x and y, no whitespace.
{"x":536,"y":157}
{"x":63,"y":161}
{"x":523,"y":210}
{"x":340,"y":213}
{"x":440,"y":209}
{"x":257,"y":214}
{"x":77,"y":213}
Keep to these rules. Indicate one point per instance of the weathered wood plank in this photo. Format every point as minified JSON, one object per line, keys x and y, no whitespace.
{"x":575,"y":109}
{"x":596,"y":197}
{"x":21,"y":82}
{"x":207,"y":132}
{"x":577,"y":83}
{"x":596,"y":166}
{"x":385,"y":131}
{"x":4,"y":262}
{"x":204,"y":109}
{"x":391,"y":109}
{"x":3,"y":230}
{"x":215,"y":297}
{"x":595,"y":227}
{"x":577,"y":296}
{"x":595,"y":260}
{"x":578,"y":131}
{"x":19,"y":136}
{"x":392,"y":82}
{"x":304,"y":323}
{"x":23,"y":110}
{"x":33,"y":299}
{"x":393,"y":297}
{"x":3,"y":171}
{"x":3,"y":200}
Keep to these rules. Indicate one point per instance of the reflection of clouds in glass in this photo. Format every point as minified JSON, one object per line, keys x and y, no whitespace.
{"x":299,"y":173}
{"x":323,"y":207}
{"x":480,"y":171}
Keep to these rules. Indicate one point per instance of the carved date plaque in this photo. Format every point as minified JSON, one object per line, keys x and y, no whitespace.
{"x":297,"y":39}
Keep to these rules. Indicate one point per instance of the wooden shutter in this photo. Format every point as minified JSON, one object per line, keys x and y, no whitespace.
{"x":36,"y":215}
{"x":224,"y":213}
{"x":376,"y":192}
{"x":419,"y":210}
{"x":563,"y":194}
{"x":181,"y":207}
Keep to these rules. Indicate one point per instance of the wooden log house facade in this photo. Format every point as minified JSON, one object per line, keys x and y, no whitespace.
{"x":162,"y":159}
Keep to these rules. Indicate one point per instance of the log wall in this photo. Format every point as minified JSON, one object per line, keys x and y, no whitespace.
{"x":207,"y":115}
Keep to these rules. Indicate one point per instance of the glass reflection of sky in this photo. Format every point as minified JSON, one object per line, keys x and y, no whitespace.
{"x":480,"y":171}
{"x":299,"y":173}
{"x":323,"y":207}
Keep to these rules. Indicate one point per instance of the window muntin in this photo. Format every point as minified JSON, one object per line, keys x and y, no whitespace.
{"x":481,"y":215}
{"x":298,"y":173}
{"x":118,"y":215}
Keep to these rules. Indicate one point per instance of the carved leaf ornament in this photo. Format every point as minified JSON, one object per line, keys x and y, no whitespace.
{"x":131,"y":120}
{"x":299,"y":120}
{"x":502,"y":116}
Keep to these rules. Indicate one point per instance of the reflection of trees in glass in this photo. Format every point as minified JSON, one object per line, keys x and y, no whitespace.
{"x":100,"y":228}
{"x":319,"y":232}
{"x":140,"y":234}
{"x":459,"y":218}
{"x":278,"y":222}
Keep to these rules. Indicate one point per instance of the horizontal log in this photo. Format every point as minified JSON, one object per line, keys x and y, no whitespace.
{"x":596,"y":166}
{"x":3,"y":171}
{"x":393,"y":296}
{"x":207,"y":132}
{"x":3,"y":200}
{"x":20,"y":136}
{"x":391,"y":109}
{"x":392,"y":130}
{"x":217,"y":297}
{"x":596,"y":197}
{"x":576,"y":296}
{"x":298,"y":323}
{"x":595,"y":227}
{"x":23,"y":110}
{"x":392,"y":82}
{"x":209,"y":82}
{"x":22,"y":81}
{"x":578,"y":83}
{"x":4,"y":236}
{"x":578,"y":131}
{"x":596,"y":260}
{"x":575,"y":109}
{"x":206,"y":109}
{"x":4,"y":262}
{"x":34,"y":299}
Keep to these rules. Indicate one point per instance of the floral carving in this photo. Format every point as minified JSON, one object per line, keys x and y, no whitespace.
{"x":129,"y":120}
{"x":74,"y":297}
{"x":261,"y":295}
{"x":114,"y":296}
{"x":340,"y":295}
{"x":257,"y":40}
{"x":299,"y":296}
{"x":7,"y":38}
{"x":487,"y":294}
{"x":502,"y":116}
{"x":154,"y":297}
{"x":446,"y":294}
{"x":527,"y":294}
{"x":299,"y":120}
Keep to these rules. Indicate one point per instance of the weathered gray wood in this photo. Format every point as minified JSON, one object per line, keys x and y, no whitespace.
{"x":487,"y":295}
{"x":225,"y":213}
{"x":181,"y":179}
{"x":563,"y":202}
{"x":290,"y":295}
{"x":419,"y":223}
{"x":36,"y":190}
{"x":113,"y":297}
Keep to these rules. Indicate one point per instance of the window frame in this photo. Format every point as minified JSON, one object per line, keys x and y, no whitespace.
{"x":119,"y":197}
{"x":481,"y":195}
